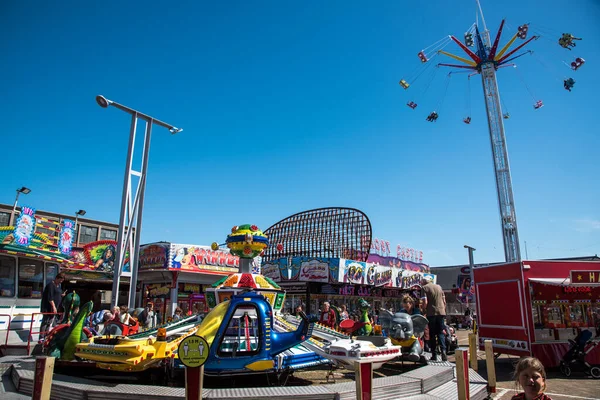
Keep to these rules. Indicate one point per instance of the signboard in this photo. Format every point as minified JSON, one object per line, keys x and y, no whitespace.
{"x":193,"y":351}
{"x":311,"y":269}
{"x":154,"y":256}
{"x":390,"y":261}
{"x":25,"y":226}
{"x":353,"y":272}
{"x":379,"y":276}
{"x":196,"y":258}
{"x":65,"y":238}
{"x":382,"y":247}
{"x":585,"y":277}
{"x":271,"y":271}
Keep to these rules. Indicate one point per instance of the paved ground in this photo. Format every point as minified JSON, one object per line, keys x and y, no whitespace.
{"x":578,"y":386}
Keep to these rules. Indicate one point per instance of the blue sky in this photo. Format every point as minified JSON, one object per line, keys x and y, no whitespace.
{"x":289,"y":106}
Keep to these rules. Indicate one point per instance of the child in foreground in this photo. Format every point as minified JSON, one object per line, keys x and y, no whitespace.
{"x":531,"y":376}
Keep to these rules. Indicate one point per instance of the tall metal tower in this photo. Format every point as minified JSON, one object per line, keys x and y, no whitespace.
{"x":486,"y":60}
{"x":491,"y":95}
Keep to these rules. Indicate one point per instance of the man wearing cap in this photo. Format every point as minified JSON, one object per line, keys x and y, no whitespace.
{"x":436,"y":312}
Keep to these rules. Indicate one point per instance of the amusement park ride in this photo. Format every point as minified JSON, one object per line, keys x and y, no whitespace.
{"x":486,"y":59}
{"x":246,"y":330}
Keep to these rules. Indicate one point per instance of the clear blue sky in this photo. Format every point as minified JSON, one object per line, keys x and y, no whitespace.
{"x":288,"y":106}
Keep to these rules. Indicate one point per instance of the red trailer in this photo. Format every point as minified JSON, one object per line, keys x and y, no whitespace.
{"x":535,"y":307}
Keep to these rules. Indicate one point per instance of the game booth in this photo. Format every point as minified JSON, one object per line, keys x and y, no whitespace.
{"x":540,"y":308}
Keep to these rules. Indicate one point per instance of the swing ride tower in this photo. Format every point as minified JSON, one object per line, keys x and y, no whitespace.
{"x":486,"y":62}
{"x":506,"y":201}
{"x":486,"y":59}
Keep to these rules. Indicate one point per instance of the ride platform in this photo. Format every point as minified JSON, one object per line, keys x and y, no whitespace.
{"x":435,"y":381}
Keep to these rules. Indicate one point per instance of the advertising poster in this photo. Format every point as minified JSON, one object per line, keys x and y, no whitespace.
{"x":466,"y":290}
{"x":353,"y":272}
{"x":154,"y":256}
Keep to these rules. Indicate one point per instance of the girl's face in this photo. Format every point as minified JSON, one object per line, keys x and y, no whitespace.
{"x":532,"y":383}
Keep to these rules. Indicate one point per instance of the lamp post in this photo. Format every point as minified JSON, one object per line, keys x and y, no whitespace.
{"x":471,"y":265}
{"x":77,"y":214}
{"x":24,"y":190}
{"x":130,"y":218}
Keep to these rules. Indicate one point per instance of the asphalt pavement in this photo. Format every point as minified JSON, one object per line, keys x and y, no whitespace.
{"x":578,"y":386}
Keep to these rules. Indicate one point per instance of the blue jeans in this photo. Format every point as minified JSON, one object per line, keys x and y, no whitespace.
{"x":436,"y":332}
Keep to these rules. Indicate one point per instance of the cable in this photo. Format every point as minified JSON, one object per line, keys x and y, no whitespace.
{"x":539,"y":59}
{"x":526,"y":85}
{"x":439,"y":107}
{"x":436,"y":43}
{"x":468,"y":103}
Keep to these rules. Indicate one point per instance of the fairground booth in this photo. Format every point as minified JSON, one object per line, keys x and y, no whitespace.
{"x":172,"y":275}
{"x":535,"y":307}
{"x":310,"y":281}
{"x":33,"y":252}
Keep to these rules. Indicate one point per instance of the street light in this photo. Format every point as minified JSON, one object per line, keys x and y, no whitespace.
{"x":471,"y":265}
{"x":132,"y":206}
{"x":77,"y":214}
{"x":24,"y":190}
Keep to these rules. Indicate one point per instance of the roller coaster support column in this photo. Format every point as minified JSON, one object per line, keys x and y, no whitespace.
{"x":504,"y":189}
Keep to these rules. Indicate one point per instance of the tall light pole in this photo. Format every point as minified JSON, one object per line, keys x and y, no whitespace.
{"x":130,"y":218}
{"x":24,"y":190}
{"x":471,"y":265}
{"x":77,"y":214}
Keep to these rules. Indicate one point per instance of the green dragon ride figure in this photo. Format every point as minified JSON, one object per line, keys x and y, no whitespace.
{"x":61,"y":340}
{"x":364,"y":307}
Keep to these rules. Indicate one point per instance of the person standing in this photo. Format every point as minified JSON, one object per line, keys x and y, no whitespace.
{"x":435,"y":304}
{"x":51,"y":299}
{"x":327,"y":317}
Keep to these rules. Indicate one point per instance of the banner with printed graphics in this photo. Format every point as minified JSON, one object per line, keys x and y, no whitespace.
{"x":154,"y":256}
{"x":389,"y":261}
{"x":195,"y":258}
{"x":408,"y":279}
{"x":311,"y":269}
{"x":25,"y":226}
{"x":272,"y":269}
{"x":352,"y":271}
{"x":65,"y":237}
{"x":378,"y":275}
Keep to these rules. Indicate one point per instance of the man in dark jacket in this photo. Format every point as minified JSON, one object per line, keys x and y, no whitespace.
{"x":51,"y":299}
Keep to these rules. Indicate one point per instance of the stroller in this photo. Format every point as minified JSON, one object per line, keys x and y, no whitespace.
{"x":574,"y":359}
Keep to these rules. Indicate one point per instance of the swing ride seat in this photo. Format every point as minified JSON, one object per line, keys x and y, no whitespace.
{"x":575,"y":65}
{"x":569,"y":83}
{"x":506,"y":116}
{"x":412,"y":104}
{"x":422,"y":56}
{"x":522,"y":34}
{"x":538,"y":104}
{"x":467,"y":120}
{"x":404,"y":84}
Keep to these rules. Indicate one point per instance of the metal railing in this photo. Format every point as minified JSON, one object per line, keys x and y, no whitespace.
{"x":7,"y":330}
{"x":31,"y":332}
